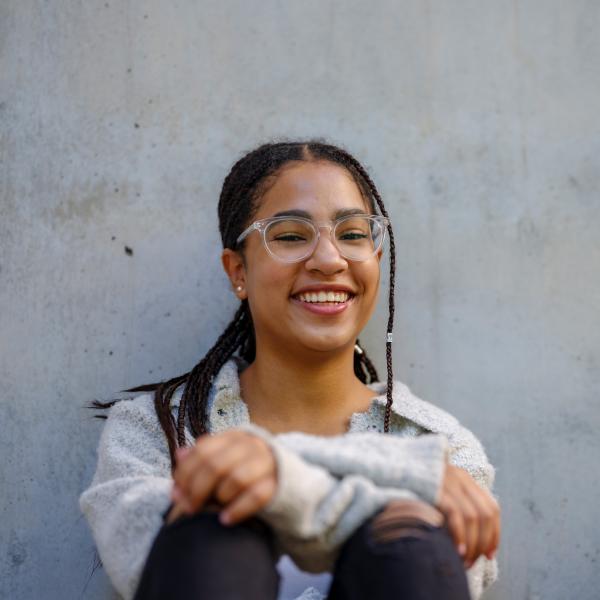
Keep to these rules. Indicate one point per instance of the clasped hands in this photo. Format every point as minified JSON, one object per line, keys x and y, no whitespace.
{"x":236,"y":470}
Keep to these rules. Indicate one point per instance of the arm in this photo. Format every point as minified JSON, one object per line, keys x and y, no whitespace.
{"x":313,"y":512}
{"x":467,"y":453}
{"x":411,"y":463}
{"x":390,"y":461}
{"x":129,"y":491}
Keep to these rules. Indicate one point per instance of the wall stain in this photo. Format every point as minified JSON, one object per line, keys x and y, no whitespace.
{"x":17,"y":552}
{"x":533,"y":509}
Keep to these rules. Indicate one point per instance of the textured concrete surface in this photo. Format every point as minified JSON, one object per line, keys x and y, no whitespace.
{"x":478,"y":120}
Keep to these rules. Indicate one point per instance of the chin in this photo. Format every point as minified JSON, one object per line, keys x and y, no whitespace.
{"x":326,"y":343}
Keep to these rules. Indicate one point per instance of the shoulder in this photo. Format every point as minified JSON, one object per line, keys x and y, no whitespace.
{"x":133,"y":425}
{"x":133,"y":416}
{"x":406,"y":406}
{"x":466,"y":450}
{"x":140,"y":410}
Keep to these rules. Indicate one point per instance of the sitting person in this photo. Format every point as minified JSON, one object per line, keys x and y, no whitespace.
{"x":280,"y":466}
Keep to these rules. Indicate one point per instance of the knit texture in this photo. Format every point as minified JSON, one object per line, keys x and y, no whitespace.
{"x":327,"y":486}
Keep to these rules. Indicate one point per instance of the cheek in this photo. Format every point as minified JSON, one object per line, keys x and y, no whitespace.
{"x":370,"y":276}
{"x":270,"y":280}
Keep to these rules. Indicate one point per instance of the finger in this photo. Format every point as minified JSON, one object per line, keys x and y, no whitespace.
{"x":242,"y":477}
{"x":497,"y":526}
{"x":187,"y":464}
{"x":451,"y":510}
{"x":209,"y":471}
{"x":471,"y":519}
{"x":249,"y":502}
{"x":206,"y":446}
{"x":482,"y":502}
{"x":455,"y":525}
{"x":177,"y":511}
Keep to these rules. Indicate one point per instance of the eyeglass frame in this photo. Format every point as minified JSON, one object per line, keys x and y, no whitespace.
{"x":261,"y":226}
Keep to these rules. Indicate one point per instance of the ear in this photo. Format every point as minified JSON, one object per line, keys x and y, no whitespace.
{"x":233,"y":264}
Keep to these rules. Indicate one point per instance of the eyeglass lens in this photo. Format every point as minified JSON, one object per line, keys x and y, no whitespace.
{"x":356,"y":238}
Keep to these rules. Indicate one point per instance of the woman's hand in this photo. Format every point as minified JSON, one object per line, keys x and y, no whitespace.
{"x":235,"y":469}
{"x":472,"y":515}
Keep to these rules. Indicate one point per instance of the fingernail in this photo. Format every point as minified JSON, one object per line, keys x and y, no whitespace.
{"x":493,"y":554}
{"x":224,"y":518}
{"x":462,"y":548}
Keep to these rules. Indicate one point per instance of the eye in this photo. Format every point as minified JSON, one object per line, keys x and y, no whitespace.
{"x":289,"y":231}
{"x":289,"y":237}
{"x":353,"y":236}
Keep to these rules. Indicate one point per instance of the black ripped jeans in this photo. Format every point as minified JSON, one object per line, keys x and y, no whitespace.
{"x":198,"y":558}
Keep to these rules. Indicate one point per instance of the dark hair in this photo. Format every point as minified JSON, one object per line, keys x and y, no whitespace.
{"x":242,"y":189}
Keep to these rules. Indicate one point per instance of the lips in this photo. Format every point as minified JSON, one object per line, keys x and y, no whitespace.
{"x":324,"y":300}
{"x":324,"y":292}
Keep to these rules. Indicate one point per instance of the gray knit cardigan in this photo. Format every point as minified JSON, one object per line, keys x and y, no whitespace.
{"x":327,"y":486}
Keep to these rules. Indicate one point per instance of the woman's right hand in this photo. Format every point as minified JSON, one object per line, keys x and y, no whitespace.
{"x":472,"y":515}
{"x":234,"y":470}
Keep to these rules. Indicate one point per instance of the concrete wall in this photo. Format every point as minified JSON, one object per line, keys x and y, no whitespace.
{"x":478,"y":120}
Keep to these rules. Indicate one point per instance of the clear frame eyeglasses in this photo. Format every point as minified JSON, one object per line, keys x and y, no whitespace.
{"x":293,"y":239}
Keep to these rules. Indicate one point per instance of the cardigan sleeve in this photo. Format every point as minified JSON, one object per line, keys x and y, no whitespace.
{"x":467,"y":452}
{"x":414,"y":463}
{"x":129,"y":492}
{"x":313,"y":512}
{"x":417,"y":465}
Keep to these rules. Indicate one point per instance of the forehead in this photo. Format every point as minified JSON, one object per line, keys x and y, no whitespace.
{"x":319,"y":188}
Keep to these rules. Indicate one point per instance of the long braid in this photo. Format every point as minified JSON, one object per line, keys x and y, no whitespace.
{"x":363,"y":367}
{"x":391,"y":300}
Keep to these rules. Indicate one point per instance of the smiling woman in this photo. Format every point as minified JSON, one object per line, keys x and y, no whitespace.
{"x":280,"y":455}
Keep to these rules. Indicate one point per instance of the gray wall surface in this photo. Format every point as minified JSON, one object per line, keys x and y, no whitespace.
{"x":478,"y":121}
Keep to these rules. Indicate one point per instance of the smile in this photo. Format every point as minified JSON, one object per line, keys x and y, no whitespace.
{"x":323,"y":296}
{"x":323,"y":302}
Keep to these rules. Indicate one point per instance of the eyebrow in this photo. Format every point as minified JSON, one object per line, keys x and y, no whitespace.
{"x":343,"y":212}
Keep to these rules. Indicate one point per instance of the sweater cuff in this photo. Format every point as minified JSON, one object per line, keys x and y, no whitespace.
{"x":299,"y":488}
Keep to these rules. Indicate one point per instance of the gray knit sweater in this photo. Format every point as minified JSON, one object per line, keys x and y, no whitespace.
{"x":327,"y":486}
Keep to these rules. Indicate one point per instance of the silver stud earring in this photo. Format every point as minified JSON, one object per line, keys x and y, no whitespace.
{"x":239,"y":288}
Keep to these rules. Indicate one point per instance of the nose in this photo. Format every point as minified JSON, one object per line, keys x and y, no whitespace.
{"x":326,"y":257}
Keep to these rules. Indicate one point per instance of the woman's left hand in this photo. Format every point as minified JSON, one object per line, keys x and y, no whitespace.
{"x":235,"y":469}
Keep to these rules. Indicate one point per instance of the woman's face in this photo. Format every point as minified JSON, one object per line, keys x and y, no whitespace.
{"x":283,"y":316}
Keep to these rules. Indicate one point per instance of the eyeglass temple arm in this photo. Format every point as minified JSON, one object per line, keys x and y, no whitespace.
{"x":247,"y":232}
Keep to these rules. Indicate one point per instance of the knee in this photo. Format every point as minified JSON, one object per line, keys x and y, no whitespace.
{"x":406,"y":549}
{"x":205,"y":530}
{"x":199,"y":557}
{"x":402,"y":519}
{"x":203,"y":535}
{"x":407,"y":528}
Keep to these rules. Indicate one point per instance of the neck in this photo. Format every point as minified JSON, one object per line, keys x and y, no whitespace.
{"x":316,"y":394}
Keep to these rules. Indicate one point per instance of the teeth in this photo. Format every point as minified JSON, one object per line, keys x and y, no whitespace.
{"x":323,"y":296}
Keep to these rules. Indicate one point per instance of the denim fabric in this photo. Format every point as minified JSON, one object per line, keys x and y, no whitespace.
{"x":198,"y":558}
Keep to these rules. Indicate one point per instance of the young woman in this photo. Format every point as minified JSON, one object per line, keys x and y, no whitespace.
{"x":281,"y":456}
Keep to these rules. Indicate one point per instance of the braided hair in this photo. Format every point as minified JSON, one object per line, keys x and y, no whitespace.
{"x":243,"y":187}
